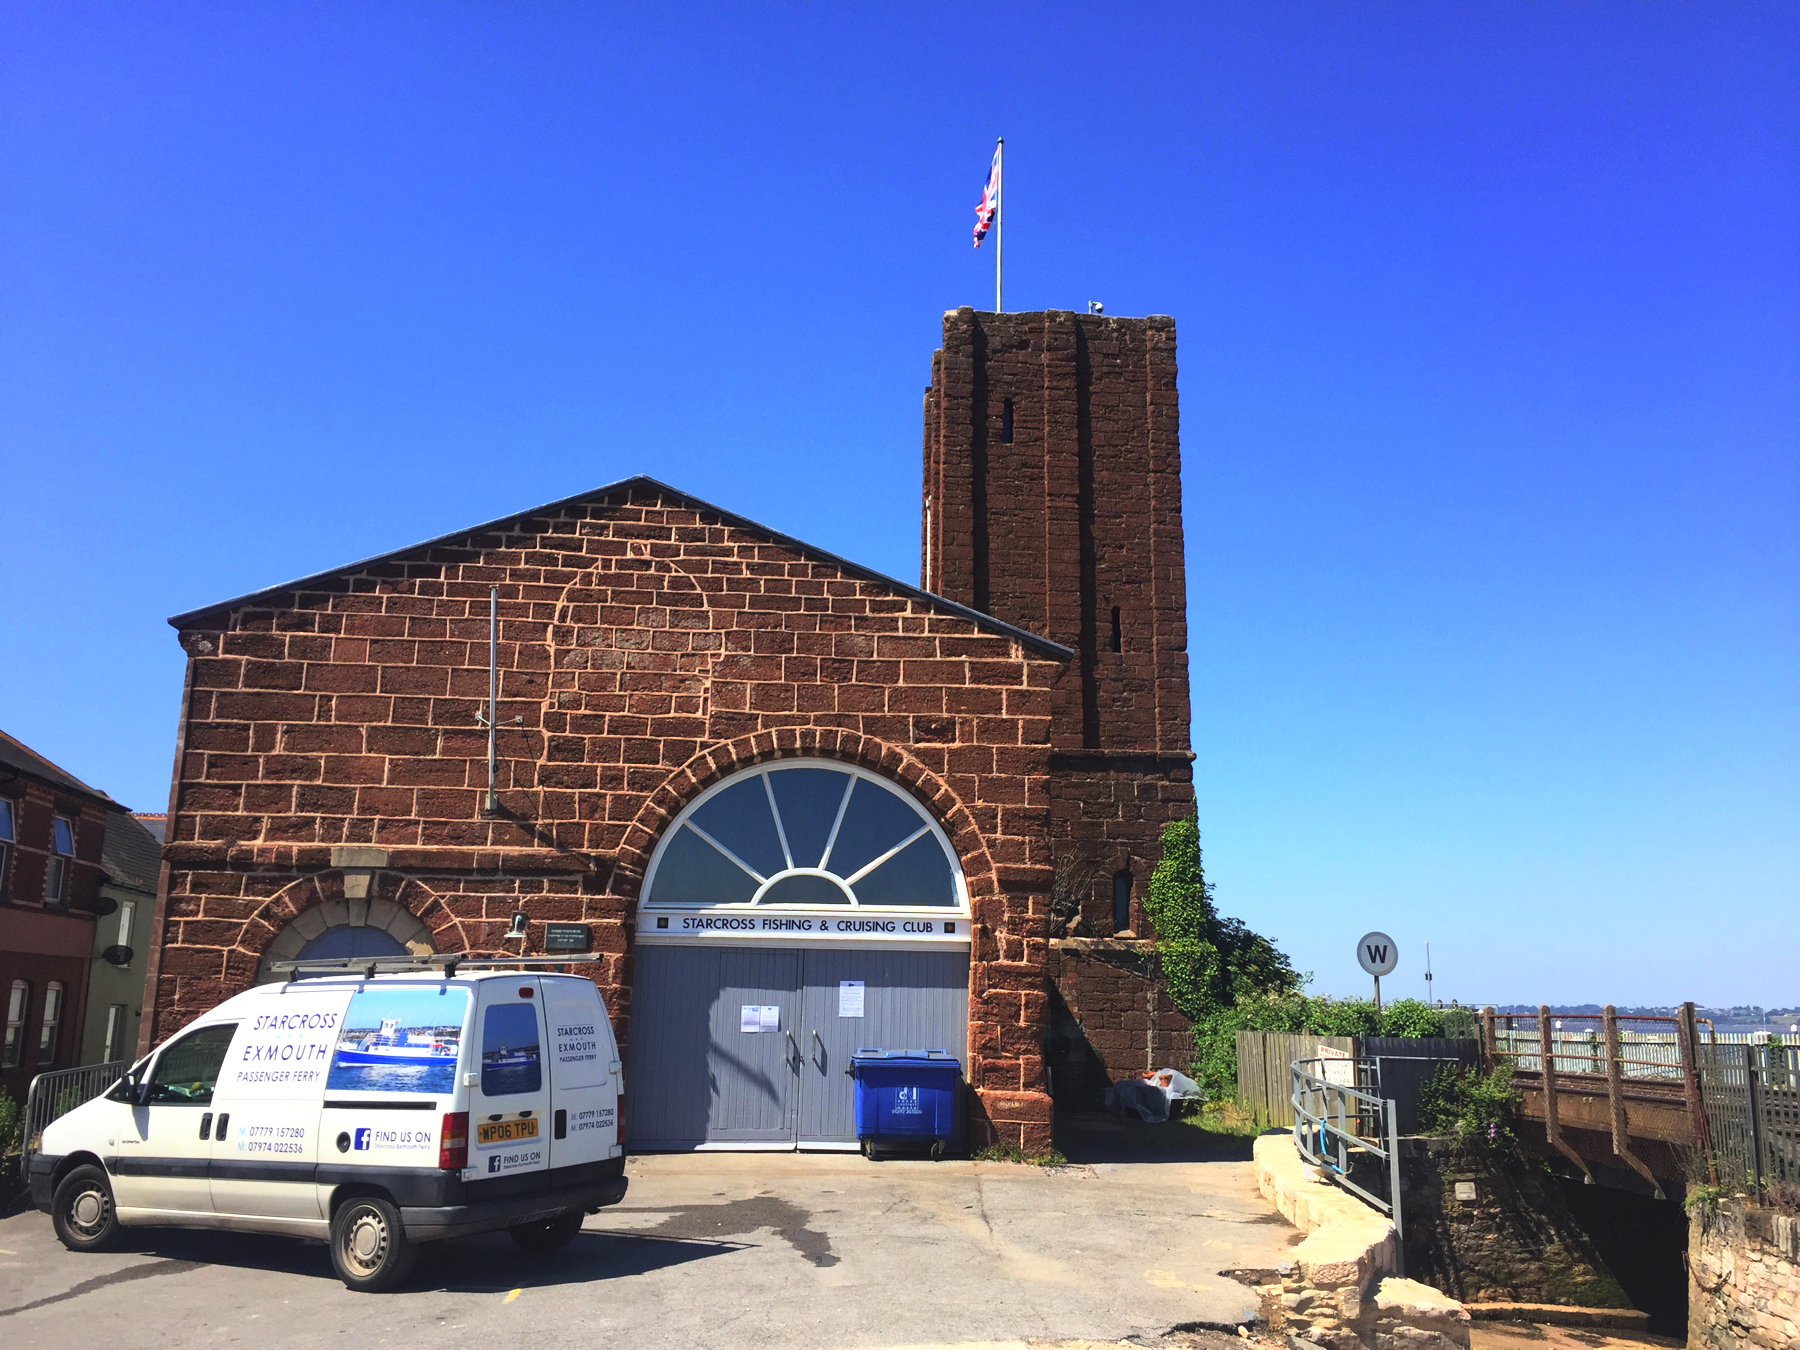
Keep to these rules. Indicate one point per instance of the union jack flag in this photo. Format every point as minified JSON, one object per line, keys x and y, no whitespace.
{"x":990,"y":200}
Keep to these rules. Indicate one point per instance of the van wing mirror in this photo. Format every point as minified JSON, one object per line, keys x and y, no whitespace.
{"x":140,"y":1093}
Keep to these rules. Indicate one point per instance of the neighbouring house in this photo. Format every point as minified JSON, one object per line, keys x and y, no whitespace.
{"x":796,"y":807}
{"x":130,"y":857}
{"x":53,"y":830}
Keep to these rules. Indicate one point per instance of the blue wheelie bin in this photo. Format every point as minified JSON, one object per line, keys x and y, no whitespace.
{"x":906,"y":1097}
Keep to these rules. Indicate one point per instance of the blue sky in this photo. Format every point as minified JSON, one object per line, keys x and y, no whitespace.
{"x":1490,"y":330}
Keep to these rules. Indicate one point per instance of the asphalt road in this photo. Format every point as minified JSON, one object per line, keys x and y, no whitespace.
{"x":722,"y":1251}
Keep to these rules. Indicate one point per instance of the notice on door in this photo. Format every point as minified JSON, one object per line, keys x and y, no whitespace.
{"x":850,"y":998}
{"x":759,"y":1017}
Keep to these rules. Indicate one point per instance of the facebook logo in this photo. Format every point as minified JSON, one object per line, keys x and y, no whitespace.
{"x":494,"y":1163}
{"x":362,"y":1137}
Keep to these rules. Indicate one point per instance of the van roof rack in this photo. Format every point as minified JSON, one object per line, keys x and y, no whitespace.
{"x":448,"y":962}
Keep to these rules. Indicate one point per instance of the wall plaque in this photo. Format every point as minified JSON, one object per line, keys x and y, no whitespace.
{"x":566,"y":937}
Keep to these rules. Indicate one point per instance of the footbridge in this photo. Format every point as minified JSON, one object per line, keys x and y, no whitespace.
{"x":1611,"y":1088}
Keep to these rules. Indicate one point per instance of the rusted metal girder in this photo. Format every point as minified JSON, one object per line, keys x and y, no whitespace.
{"x":1615,"y":1096}
{"x":1688,"y":1032}
{"x":1547,"y":1076}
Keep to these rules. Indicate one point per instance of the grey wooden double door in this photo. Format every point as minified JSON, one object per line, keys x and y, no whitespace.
{"x":698,"y":1074}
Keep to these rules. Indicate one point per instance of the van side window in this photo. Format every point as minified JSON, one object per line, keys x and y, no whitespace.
{"x":509,"y":1050}
{"x":188,"y":1070}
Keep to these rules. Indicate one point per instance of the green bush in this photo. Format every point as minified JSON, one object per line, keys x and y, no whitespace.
{"x":1325,"y":1016}
{"x":12,"y":1123}
{"x":1412,"y":1017}
{"x":1211,"y":964}
{"x":1473,"y":1107}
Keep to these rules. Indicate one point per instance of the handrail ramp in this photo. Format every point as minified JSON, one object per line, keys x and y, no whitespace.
{"x":1337,"y":1124}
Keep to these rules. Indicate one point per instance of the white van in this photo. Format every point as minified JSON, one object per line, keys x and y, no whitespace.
{"x":376,"y":1112}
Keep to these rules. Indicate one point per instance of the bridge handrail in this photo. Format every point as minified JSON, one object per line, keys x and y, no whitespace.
{"x":1316,"y":1131}
{"x":1652,"y":1053}
{"x":1606,"y":1055}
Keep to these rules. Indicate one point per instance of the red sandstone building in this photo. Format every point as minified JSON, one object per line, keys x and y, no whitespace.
{"x":52,"y":829}
{"x":796,"y":806}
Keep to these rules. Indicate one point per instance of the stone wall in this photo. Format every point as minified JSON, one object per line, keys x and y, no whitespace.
{"x":1743,"y":1278}
{"x":1339,"y":1290}
{"x":1111,"y":1017}
{"x":1489,"y":1226}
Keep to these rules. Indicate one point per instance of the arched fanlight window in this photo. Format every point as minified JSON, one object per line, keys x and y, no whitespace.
{"x":806,"y":832}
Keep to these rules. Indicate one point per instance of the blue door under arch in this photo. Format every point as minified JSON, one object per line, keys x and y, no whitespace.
{"x":344,"y":941}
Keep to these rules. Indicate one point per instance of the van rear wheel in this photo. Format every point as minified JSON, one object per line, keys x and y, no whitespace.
{"x":369,"y":1246}
{"x":554,"y":1235}
{"x":82,"y":1211}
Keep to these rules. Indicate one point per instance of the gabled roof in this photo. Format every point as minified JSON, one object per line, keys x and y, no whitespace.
{"x":216,"y":613}
{"x":130,"y":855}
{"x":21,"y":758}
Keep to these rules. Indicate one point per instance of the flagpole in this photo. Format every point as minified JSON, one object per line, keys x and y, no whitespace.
{"x":999,"y":206}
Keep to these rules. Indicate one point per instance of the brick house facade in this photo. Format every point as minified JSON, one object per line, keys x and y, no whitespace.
{"x":331,"y":768}
{"x":48,"y":900}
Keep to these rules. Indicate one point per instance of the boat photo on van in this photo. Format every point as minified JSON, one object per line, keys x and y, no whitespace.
{"x":398,"y":1041}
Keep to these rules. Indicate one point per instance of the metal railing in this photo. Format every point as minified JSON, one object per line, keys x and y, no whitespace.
{"x":59,"y":1092}
{"x":1337,"y":1126}
{"x":1648,"y":1047}
{"x":1752,"y":1096}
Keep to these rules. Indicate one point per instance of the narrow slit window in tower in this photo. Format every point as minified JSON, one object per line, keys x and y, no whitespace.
{"x":1006,"y":422}
{"x":1121,"y":902}
{"x":1118,"y":636}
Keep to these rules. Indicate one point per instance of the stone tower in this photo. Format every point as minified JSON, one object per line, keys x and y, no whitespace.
{"x":1052,"y":500}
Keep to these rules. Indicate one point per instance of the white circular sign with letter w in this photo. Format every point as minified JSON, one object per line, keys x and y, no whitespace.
{"x":1377,"y":954}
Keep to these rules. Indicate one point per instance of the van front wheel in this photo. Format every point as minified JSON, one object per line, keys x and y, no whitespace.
{"x":82,"y":1212}
{"x":369,"y":1246}
{"x":558,"y":1233}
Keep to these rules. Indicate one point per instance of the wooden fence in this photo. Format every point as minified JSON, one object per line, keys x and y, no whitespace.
{"x":1265,"y":1086}
{"x":1402,"y":1063}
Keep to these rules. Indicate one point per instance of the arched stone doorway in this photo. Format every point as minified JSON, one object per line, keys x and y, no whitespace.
{"x":347,"y":927}
{"x":792,"y":913}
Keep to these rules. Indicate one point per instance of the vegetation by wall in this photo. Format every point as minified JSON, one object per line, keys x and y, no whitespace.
{"x":1212,"y":964}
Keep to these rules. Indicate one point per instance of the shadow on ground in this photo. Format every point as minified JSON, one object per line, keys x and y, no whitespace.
{"x":1101,"y":1137}
{"x":488,"y":1263}
{"x":493,"y":1263}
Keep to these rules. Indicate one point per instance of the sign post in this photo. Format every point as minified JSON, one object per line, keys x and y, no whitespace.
{"x":1377,"y":954}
